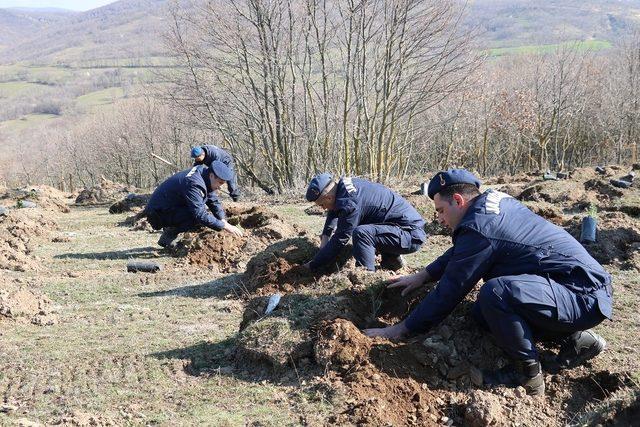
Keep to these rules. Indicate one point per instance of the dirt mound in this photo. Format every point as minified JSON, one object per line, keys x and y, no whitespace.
{"x":314,"y":210}
{"x":375,"y":397}
{"x":43,"y":196}
{"x":618,"y":239}
{"x":137,"y":221}
{"x":224,"y":252}
{"x":105,"y":192}
{"x":21,"y":303}
{"x":19,"y":231}
{"x":130,"y":202}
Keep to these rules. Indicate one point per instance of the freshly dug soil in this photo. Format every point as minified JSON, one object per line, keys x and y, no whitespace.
{"x":19,"y":232}
{"x":223,"y":252}
{"x":45,"y":197}
{"x":130,"y":202}
{"x":103,"y":193}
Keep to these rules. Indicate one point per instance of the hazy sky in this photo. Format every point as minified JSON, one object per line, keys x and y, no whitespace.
{"x":80,"y":5}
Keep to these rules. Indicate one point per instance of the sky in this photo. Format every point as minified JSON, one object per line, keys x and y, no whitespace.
{"x":78,"y":5}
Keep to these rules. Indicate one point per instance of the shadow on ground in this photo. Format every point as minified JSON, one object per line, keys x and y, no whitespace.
{"x":224,"y":287}
{"x":146,"y":252}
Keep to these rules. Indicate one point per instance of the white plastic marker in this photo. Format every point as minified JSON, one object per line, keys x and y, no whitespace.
{"x":273,"y":303}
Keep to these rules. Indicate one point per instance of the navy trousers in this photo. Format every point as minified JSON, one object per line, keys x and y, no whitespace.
{"x":180,"y":219}
{"x":520,"y":309}
{"x":386,"y":239}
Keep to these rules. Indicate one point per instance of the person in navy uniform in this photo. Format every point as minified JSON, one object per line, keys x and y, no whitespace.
{"x":375,"y":218}
{"x":188,"y":200}
{"x":206,"y":154}
{"x":538,"y":281}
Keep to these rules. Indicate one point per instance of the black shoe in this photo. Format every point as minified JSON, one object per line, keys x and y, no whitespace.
{"x":392,"y":262}
{"x":525,"y":373}
{"x":167,"y":238}
{"x":578,"y":348}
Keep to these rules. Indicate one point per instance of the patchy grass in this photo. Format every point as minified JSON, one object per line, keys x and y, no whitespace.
{"x":124,"y":340}
{"x":27,"y":121}
{"x":100,"y":97}
{"x":593,"y":45}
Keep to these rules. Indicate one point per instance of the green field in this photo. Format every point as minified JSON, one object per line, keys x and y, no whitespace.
{"x":30,"y":120}
{"x":593,"y":45}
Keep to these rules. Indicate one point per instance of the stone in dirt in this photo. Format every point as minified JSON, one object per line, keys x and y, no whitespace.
{"x":41,"y":196}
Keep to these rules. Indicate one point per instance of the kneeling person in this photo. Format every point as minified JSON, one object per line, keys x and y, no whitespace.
{"x":180,"y":203}
{"x":539,"y":282}
{"x":373,"y":216}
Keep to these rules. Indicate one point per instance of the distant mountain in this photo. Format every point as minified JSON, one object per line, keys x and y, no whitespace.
{"x":124,"y":29}
{"x":508,"y":23}
{"x":19,"y":24}
{"x":132,"y":28}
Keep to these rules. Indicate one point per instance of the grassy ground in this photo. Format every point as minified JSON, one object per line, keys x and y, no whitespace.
{"x":157,"y":349}
{"x":135,"y":348}
{"x":593,"y":45}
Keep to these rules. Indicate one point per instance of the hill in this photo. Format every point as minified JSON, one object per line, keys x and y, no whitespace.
{"x":124,"y":29}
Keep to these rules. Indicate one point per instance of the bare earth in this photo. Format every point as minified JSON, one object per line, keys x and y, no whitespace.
{"x":83,"y":342}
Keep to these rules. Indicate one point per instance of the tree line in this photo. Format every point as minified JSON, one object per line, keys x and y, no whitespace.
{"x":378,"y":89}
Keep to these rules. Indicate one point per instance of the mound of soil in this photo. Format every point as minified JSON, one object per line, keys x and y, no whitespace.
{"x":105,"y":192}
{"x":314,"y":210}
{"x":25,"y":304}
{"x":224,"y":252}
{"x":129,"y":203}
{"x":137,"y":222}
{"x":618,"y":239}
{"x":19,"y":231}
{"x":43,"y":196}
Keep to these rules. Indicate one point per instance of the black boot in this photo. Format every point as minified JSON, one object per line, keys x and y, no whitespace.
{"x":525,"y":373}
{"x":579,"y":347}
{"x":167,"y":238}
{"x":391,"y":262}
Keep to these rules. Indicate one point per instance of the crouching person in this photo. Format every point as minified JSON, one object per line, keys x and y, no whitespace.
{"x":188,"y":200}
{"x":539,"y":282}
{"x":376,"y":219}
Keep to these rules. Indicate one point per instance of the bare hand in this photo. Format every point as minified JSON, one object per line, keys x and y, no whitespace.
{"x":407,"y":283}
{"x":390,"y":332}
{"x":232,"y":229}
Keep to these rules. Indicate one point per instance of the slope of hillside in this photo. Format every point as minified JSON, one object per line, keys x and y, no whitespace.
{"x":512,"y":23}
{"x":124,"y":29}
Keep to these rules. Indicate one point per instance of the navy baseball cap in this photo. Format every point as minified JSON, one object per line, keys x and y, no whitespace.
{"x":196,"y":151}
{"x":221,"y":170}
{"x":450,"y":177}
{"x":317,"y":184}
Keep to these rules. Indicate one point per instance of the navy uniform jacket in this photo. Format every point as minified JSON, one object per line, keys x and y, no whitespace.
{"x":213,"y":153}
{"x":360,"y":202}
{"x":190,"y":189}
{"x":498,"y":236}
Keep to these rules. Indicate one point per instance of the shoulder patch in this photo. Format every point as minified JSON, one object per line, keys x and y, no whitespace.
{"x":192,"y":171}
{"x":492,"y":203}
{"x":348,"y":185}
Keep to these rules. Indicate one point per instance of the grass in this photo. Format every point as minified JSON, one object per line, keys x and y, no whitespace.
{"x":593,"y":45}
{"x":123,"y":341}
{"x":16,"y":88}
{"x":25,"y":122}
{"x":153,"y":349}
{"x":100,"y":97}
